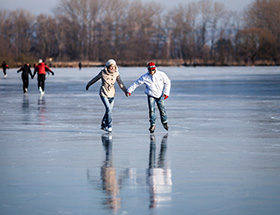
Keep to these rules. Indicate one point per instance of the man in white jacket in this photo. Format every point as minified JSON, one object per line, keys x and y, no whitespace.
{"x":157,"y":89}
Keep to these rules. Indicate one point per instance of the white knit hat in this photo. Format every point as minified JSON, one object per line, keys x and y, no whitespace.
{"x":40,"y":61}
{"x":110,"y":62}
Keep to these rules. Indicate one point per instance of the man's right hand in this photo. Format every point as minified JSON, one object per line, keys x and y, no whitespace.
{"x":128,"y":94}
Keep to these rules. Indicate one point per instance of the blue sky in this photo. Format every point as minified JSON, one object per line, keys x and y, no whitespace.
{"x":46,"y":6}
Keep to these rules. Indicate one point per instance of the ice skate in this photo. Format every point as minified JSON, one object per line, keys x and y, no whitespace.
{"x":165,"y":125}
{"x":152,"y":128}
{"x":109,"y":130}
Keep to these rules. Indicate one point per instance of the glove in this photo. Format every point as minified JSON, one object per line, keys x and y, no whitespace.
{"x":128,"y":94}
{"x":165,"y":96}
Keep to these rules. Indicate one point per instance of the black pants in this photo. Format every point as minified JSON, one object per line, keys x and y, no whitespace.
{"x":41,"y":81}
{"x":4,"y":71}
{"x":25,"y":83}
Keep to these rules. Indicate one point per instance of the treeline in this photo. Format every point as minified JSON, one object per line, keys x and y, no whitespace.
{"x":202,"y":32}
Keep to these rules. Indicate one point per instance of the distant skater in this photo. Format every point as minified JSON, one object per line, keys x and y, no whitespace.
{"x":80,"y":65}
{"x":41,"y":70}
{"x":157,"y":89}
{"x":25,"y":72}
{"x":5,"y":67}
{"x":109,"y":75}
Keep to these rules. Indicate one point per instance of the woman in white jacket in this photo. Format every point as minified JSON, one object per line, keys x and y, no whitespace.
{"x":157,"y":89}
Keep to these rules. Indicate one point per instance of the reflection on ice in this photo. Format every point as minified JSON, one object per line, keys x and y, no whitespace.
{"x":25,"y":104}
{"x":113,"y":180}
{"x":42,"y":110}
{"x":108,"y":175}
{"x":158,"y":174}
{"x":25,"y":110}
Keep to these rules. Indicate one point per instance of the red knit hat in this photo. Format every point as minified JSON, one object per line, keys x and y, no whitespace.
{"x":151,"y":66}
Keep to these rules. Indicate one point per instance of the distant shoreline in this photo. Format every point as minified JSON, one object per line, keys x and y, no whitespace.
{"x":141,"y":63}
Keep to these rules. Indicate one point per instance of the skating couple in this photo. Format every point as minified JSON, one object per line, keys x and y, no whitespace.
{"x":41,"y":69}
{"x":157,"y":89}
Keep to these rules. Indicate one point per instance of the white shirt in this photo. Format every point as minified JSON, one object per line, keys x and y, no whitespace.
{"x":156,"y":85}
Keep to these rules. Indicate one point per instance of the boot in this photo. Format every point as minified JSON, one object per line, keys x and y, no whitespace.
{"x":152,"y":128}
{"x":165,"y":125}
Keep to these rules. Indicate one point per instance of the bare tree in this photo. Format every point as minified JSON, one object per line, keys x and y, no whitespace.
{"x":133,"y":30}
{"x":217,"y":18}
{"x":68,"y":13}
{"x":264,"y":14}
{"x":18,"y":30}
{"x":46,"y":42}
{"x":256,"y":43}
{"x":181,"y":23}
{"x":6,"y":49}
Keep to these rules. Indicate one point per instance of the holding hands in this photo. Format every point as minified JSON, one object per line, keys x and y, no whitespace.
{"x":129,"y":94}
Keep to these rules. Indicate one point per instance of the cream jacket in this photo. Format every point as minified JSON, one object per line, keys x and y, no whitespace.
{"x":107,"y":88}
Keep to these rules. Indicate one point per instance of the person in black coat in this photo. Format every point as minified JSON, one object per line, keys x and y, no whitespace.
{"x":5,"y":67}
{"x":25,"y":71}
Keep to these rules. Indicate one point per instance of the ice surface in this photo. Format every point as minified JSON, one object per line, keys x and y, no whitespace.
{"x":221,"y":155}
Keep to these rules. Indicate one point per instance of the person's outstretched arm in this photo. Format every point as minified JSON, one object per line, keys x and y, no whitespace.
{"x":136,"y":84}
{"x":49,"y":70}
{"x":121,"y":84}
{"x":30,"y":73}
{"x":34,"y":73}
{"x":20,"y":70}
{"x":92,"y":81}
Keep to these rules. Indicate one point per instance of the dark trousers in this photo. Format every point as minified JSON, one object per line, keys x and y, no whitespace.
{"x":25,"y":83}
{"x":41,"y":81}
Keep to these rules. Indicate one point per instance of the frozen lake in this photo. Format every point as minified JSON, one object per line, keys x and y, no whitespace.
{"x":220,"y":156}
